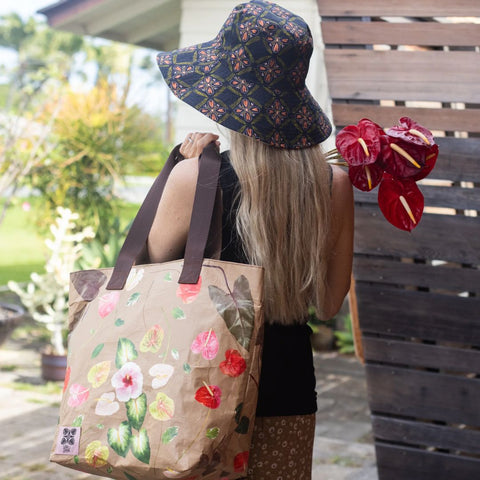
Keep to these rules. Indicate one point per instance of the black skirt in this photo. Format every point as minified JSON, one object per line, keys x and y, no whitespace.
{"x":287,"y":380}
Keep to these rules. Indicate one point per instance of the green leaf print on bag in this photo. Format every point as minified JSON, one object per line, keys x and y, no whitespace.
{"x":243,"y":422}
{"x":97,"y":350}
{"x":128,"y":476}
{"x":136,"y":411}
{"x":126,"y":352}
{"x":140,"y":446}
{"x":78,"y":421}
{"x":236,"y":308}
{"x":133,"y":299}
{"x":169,"y":434}
{"x":212,"y":433}
{"x":119,"y":439}
{"x":152,"y":340}
{"x":243,"y":425}
{"x":178,"y":314}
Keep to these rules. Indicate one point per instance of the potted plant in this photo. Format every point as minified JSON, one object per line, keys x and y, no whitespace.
{"x":45,"y":297}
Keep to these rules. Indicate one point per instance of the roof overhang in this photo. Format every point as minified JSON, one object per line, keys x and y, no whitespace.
{"x":148,"y":23}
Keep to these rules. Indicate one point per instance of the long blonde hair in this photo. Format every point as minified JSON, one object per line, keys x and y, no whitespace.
{"x":283,"y":221}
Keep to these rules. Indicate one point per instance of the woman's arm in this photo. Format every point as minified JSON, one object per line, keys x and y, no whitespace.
{"x":339,"y":266}
{"x":168,"y":235}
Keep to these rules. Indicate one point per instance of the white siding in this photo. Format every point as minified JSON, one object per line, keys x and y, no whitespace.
{"x":201,"y":21}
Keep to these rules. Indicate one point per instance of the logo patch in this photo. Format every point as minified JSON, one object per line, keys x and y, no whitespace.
{"x":68,"y":440}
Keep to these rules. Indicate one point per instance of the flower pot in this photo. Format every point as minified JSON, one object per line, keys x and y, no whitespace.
{"x":10,"y":317}
{"x":53,"y":366}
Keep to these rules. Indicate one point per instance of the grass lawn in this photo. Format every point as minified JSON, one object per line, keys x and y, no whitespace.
{"x":22,"y":249}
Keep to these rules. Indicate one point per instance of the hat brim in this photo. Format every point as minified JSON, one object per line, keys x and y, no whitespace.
{"x":203,"y":77}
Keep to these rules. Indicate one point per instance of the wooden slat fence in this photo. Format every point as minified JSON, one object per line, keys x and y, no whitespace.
{"x":416,"y":295}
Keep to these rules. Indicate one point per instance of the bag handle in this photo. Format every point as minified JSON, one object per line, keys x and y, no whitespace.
{"x":207,"y":194}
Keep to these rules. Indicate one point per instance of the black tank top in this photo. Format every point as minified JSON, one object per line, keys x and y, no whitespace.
{"x":287,"y":380}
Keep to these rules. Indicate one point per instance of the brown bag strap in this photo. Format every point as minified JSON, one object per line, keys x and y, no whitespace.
{"x":207,"y":194}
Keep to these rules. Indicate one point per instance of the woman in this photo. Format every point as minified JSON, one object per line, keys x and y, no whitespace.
{"x":284,"y":207}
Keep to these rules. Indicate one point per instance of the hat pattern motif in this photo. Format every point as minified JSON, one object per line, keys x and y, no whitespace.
{"x":251,"y":77}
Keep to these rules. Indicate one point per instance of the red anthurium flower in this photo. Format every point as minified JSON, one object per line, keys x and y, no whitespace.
{"x":401,"y":202}
{"x":234,"y":364}
{"x":412,"y":132}
{"x":401,"y":159}
{"x":359,"y":144}
{"x":188,"y":292}
{"x":240,"y":462}
{"x":209,"y":395}
{"x":366,"y":177}
{"x":430,"y":160}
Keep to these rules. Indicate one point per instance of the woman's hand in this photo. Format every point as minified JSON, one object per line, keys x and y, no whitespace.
{"x":194,"y":143}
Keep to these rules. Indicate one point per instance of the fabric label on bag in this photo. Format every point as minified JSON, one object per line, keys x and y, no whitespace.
{"x":68,"y":440}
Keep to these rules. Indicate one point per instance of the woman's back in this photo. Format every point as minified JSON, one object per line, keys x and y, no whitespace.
{"x":284,"y":208}
{"x":284,"y":219}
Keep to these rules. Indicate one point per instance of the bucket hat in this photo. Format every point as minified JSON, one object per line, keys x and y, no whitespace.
{"x":251,"y":77}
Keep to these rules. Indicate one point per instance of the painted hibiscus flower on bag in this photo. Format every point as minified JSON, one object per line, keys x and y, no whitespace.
{"x":395,"y":159}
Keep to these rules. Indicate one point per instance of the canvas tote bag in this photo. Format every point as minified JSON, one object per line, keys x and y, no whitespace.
{"x":163,"y":359}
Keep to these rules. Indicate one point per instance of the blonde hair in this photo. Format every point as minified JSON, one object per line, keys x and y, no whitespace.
{"x":283,"y":221}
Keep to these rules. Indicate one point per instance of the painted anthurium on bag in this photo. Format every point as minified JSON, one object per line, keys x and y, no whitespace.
{"x":393,"y":159}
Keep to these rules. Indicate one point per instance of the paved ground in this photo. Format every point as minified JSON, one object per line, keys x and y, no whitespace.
{"x":28,"y":415}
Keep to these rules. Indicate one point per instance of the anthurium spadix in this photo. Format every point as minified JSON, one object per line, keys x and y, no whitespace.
{"x":359,"y":144}
{"x":365,"y":177}
{"x":412,"y":132}
{"x":401,"y":159}
{"x":395,"y":159}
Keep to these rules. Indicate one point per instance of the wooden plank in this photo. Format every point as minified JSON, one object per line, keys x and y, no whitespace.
{"x":401,"y":463}
{"x":446,"y":197}
{"x":425,"y":395}
{"x":412,"y":33}
{"x":407,"y":8}
{"x":455,"y":152}
{"x":399,"y":75}
{"x":424,"y":315}
{"x":452,"y":197}
{"x":437,"y":237}
{"x":467,"y":120}
{"x":439,"y":357}
{"x":425,"y":434}
{"x":442,"y":277}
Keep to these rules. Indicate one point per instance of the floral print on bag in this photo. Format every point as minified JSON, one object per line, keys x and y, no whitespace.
{"x":131,"y":384}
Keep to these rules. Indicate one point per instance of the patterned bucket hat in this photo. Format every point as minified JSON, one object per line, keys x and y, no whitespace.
{"x":251,"y":77}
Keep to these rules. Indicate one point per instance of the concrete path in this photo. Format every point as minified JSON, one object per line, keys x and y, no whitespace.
{"x":28,"y":415}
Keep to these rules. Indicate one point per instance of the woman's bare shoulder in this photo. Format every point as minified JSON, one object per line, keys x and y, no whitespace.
{"x":342,"y":190}
{"x":184,"y":174}
{"x":340,"y":175}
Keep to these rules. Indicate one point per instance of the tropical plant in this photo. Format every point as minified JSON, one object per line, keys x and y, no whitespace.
{"x":98,"y":139}
{"x":345,"y":341}
{"x":73,"y":146}
{"x":44,"y":62}
{"x":102,"y":255}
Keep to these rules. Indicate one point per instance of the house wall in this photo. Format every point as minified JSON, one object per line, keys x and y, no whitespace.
{"x":201,"y":20}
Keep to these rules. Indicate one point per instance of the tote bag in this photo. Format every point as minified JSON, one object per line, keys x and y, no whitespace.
{"x":163,"y":359}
